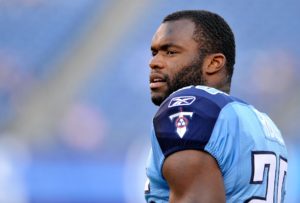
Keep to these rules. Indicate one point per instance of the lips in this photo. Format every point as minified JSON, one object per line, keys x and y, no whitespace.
{"x":156,"y":80}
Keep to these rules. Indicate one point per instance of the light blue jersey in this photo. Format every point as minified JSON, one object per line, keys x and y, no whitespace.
{"x":246,"y":143}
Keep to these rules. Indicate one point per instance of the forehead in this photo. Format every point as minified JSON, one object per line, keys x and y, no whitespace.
{"x":179,"y":32}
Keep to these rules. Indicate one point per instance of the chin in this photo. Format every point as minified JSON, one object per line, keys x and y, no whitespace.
{"x":157,"y":99}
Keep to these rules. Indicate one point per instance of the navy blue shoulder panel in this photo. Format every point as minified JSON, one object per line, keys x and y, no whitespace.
{"x":186,"y":119}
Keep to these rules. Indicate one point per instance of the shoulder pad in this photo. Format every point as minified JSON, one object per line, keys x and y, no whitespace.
{"x":186,"y":119}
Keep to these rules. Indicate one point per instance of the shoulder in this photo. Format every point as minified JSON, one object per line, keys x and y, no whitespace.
{"x":186,"y":119}
{"x":198,"y":99}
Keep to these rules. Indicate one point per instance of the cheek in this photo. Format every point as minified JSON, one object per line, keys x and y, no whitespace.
{"x":176,"y":67}
{"x":176,"y":64}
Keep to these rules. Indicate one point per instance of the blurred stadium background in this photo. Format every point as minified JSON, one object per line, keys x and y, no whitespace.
{"x":75,"y":112}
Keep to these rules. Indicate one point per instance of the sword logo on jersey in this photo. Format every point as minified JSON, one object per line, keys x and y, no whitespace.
{"x":181,"y":122}
{"x":181,"y":101}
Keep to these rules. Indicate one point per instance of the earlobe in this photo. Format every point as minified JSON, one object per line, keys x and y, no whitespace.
{"x":214,"y":63}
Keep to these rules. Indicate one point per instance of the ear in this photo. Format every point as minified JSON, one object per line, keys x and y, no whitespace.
{"x":213,"y":63}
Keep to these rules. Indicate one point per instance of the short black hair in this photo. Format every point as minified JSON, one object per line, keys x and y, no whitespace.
{"x":211,"y":32}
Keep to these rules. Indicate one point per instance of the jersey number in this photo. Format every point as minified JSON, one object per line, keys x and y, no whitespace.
{"x":264,"y":166}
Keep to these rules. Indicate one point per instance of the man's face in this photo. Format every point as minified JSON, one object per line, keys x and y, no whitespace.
{"x":176,"y":61}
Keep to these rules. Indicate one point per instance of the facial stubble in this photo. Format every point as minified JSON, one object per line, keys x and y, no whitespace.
{"x":189,"y":75}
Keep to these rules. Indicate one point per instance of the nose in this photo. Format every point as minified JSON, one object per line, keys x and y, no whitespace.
{"x":156,"y":62}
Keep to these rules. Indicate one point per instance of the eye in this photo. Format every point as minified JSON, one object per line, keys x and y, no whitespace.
{"x":153,"y":52}
{"x":171,"y":53}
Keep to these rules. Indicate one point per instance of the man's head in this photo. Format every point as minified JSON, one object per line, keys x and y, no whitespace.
{"x":191,"y":48}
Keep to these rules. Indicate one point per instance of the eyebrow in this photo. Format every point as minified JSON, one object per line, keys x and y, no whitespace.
{"x":165,"y":47}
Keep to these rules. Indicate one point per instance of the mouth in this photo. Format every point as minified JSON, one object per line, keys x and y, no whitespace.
{"x":156,"y":81}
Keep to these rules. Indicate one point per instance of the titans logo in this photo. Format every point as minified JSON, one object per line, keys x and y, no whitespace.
{"x":181,"y":122}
